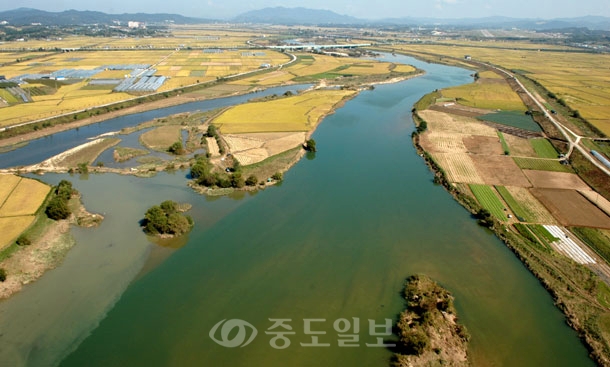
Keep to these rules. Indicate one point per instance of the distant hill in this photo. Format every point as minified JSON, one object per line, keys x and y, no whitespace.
{"x":591,"y":22}
{"x":291,"y":16}
{"x":26,"y":16}
{"x":295,"y":16}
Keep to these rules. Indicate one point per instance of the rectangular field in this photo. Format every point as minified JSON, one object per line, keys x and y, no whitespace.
{"x":296,"y":113}
{"x":458,"y":167}
{"x":499,"y":170}
{"x":444,"y":122}
{"x":572,"y":209}
{"x":543,"y":148}
{"x":534,"y":208}
{"x":25,"y":199}
{"x":12,"y":227}
{"x":7,"y":185}
{"x":541,"y":164}
{"x":489,"y":94}
{"x":488,"y":199}
{"x":555,"y":180}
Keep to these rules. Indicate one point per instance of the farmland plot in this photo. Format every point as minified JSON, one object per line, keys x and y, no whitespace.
{"x":459,"y":167}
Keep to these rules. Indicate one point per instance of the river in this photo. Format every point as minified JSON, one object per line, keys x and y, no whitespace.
{"x":335,"y":240}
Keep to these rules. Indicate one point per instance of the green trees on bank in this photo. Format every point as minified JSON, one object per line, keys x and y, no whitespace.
{"x":203,"y":174}
{"x":58,"y":208}
{"x":166,"y":219}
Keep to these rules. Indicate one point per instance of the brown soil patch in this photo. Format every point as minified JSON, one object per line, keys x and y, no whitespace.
{"x":555,"y":180}
{"x":571,"y":208}
{"x":483,"y":145}
{"x":499,"y":170}
{"x":597,"y":200}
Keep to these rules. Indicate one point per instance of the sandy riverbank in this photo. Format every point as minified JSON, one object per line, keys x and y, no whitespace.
{"x":47,"y":250}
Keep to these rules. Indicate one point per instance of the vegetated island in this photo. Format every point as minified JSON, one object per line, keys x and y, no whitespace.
{"x":167,"y":220}
{"x":429,"y":331}
{"x":43,"y":245}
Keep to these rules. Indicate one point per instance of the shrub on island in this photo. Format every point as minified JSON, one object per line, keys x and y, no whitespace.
{"x":166,"y":220}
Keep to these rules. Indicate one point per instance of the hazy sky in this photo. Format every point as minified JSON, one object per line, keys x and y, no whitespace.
{"x":368,"y":9}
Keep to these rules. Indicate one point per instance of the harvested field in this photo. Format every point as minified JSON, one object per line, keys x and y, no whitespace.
{"x":237,"y":143}
{"x":571,"y":208}
{"x":12,"y":227}
{"x":597,"y":199}
{"x":25,"y":199}
{"x":442,"y":142}
{"x":519,"y":147}
{"x":213,"y":147}
{"x":555,"y":180}
{"x":439,"y":121}
{"x":486,"y":145}
{"x":499,"y":170}
{"x":459,"y":167}
{"x":254,"y":148}
{"x":161,"y":137}
{"x":251,"y":156}
{"x":458,"y":109}
{"x":7,"y":184}
{"x":536,"y":212}
{"x":284,"y":143}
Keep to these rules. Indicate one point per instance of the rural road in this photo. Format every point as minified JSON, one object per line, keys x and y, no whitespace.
{"x":566,"y":132}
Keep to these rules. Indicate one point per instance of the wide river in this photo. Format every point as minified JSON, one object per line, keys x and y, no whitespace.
{"x":335,"y":240}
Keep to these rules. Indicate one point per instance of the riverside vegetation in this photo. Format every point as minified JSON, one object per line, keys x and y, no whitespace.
{"x":428,"y":329}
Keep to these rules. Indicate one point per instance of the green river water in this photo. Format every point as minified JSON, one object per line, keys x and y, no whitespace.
{"x":335,"y":240}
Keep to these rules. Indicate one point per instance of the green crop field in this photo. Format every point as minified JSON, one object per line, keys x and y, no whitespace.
{"x":543,"y":148}
{"x":512,"y":118}
{"x":541,"y":164}
{"x":543,"y":235}
{"x":521,"y":212}
{"x":504,"y":144}
{"x":489,"y":200}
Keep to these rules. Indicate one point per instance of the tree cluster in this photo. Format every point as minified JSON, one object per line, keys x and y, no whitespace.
{"x":310,"y":145}
{"x":166,"y":219}
{"x":176,"y":148}
{"x":58,"y":208}
{"x":203,"y":174}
